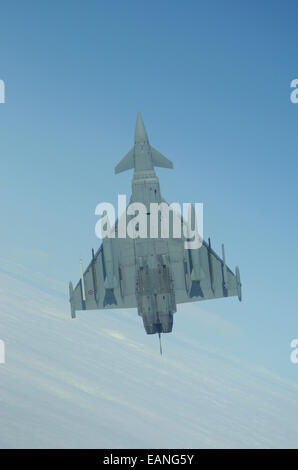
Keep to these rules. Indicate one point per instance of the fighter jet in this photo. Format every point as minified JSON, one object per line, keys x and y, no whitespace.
{"x":152,"y":274}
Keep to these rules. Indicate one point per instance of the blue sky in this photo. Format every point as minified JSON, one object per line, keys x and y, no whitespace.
{"x":212,"y":81}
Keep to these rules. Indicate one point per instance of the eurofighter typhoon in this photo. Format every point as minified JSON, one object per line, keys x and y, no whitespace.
{"x":151,"y":273}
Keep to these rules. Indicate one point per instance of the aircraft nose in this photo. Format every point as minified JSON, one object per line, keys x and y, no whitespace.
{"x":140,"y":132}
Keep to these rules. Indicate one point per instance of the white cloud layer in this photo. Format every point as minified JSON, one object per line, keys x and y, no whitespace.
{"x":98,"y":381}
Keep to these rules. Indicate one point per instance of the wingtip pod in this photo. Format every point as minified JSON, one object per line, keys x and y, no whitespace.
{"x":238,"y":284}
{"x":72,"y":309}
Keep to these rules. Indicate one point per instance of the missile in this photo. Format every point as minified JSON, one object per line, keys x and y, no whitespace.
{"x":94,"y":277}
{"x":238,"y":283}
{"x":210,"y":265}
{"x":225,"y":276}
{"x":110,"y":280}
{"x":72,"y":308}
{"x":197,"y":272}
{"x":83,"y":285}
